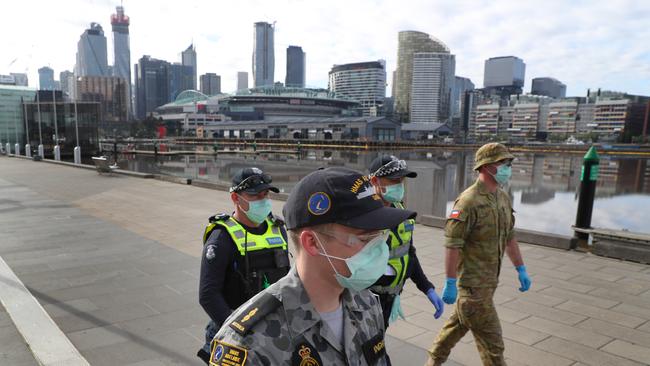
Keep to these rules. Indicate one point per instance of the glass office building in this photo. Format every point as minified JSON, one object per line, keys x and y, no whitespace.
{"x":47,"y":123}
{"x":12,"y":114}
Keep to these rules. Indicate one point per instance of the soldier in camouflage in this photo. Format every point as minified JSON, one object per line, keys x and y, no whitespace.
{"x":321,"y":313}
{"x":479,"y":231}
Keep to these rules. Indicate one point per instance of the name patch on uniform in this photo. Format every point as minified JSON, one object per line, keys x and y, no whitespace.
{"x":274,"y":241}
{"x":254,"y":313}
{"x":408,"y":227}
{"x":455,"y":214}
{"x":375,"y":349}
{"x":305,"y":355}
{"x":224,"y":354}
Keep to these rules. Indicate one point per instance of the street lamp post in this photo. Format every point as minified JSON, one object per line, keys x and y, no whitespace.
{"x":28,"y":147}
{"x":40,"y":134}
{"x":77,"y":149}
{"x":16,"y":143}
{"x":8,"y":145}
{"x":57,"y":148}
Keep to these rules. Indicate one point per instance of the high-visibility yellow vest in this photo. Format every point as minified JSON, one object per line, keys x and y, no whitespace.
{"x":399,"y":243}
{"x":246,"y":241}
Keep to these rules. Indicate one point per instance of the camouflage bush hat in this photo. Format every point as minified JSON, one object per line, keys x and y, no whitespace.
{"x":491,"y":153}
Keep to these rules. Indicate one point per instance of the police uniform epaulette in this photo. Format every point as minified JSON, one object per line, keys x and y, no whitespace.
{"x":276,"y":220}
{"x":259,"y":309}
{"x":218,"y":217}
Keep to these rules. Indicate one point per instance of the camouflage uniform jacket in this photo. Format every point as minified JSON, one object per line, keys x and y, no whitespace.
{"x":480,"y":225}
{"x":280,"y":326}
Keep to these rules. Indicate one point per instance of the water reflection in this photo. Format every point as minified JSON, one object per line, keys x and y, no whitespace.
{"x":543,"y":186}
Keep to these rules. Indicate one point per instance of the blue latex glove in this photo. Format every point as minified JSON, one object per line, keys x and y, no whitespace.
{"x":396,"y":310}
{"x":436,"y":301}
{"x":449,"y":292}
{"x":524,"y":280}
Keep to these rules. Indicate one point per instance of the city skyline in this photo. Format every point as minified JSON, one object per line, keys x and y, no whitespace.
{"x":585,"y":45}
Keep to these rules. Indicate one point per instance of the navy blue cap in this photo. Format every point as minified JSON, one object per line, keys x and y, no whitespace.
{"x":342,"y":196}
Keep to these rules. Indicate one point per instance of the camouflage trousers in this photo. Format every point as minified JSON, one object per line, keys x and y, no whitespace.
{"x":474,"y":311}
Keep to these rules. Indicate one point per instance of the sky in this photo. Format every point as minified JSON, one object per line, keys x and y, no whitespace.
{"x":585,"y":44}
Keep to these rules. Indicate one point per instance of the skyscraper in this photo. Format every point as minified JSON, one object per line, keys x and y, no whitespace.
{"x":263,"y":55}
{"x":188,"y":58}
{"x":67,"y":79}
{"x":210,"y":84}
{"x":121,"y":50}
{"x":431,"y":87}
{"x":409,"y":43}
{"x":504,"y":75}
{"x":180,"y":79}
{"x":242,"y":80}
{"x":151,"y":85}
{"x":110,"y":91}
{"x":549,"y":87}
{"x":46,"y":78}
{"x":461,"y":86}
{"x":364,"y":82}
{"x":295,"y":67}
{"x":91,"y":53}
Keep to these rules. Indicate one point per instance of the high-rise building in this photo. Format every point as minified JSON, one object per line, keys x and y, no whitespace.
{"x":66,"y":78}
{"x":263,"y":55}
{"x":188,"y":58}
{"x":431,"y":87}
{"x":210,"y":84}
{"x":46,"y":78}
{"x":20,"y":78}
{"x":91,"y":53}
{"x":242,"y":80}
{"x":549,"y":87}
{"x":151,"y":85}
{"x":121,"y":50}
{"x":504,"y":75}
{"x":409,"y":43}
{"x":180,"y":79}
{"x":364,"y":82}
{"x":461,"y":86}
{"x":295,"y":67}
{"x":110,"y":91}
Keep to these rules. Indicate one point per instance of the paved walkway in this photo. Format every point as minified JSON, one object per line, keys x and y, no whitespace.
{"x":114,"y":261}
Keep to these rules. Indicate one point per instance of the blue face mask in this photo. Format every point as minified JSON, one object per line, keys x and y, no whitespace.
{"x":394,"y":193}
{"x":365,"y":267}
{"x":257,"y":210}
{"x":504,"y":172}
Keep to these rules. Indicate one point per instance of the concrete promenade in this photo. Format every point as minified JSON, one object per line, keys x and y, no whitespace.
{"x":114,"y":262}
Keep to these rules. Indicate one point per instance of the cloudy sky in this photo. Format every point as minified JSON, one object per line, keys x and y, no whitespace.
{"x":585,"y":44}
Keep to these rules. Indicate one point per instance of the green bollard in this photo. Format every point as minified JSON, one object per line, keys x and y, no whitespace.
{"x":588,"y":179}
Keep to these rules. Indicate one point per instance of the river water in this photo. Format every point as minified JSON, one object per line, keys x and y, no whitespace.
{"x":544,"y":186}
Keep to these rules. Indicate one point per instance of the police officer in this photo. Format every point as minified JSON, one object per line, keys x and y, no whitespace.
{"x":387,"y":174}
{"x":479,"y":230}
{"x":321,"y":312}
{"x":243,"y":253}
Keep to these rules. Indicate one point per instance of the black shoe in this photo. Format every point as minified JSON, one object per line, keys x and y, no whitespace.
{"x":204,"y":356}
